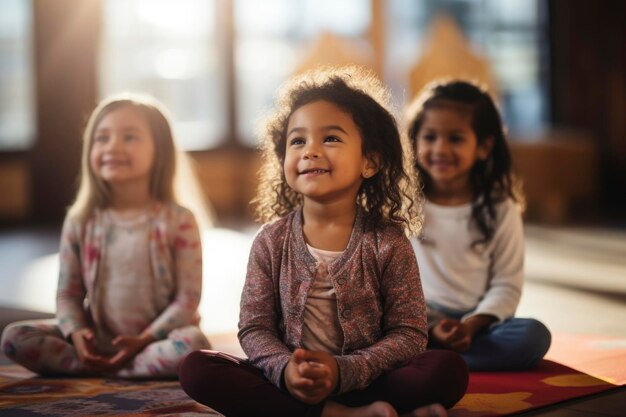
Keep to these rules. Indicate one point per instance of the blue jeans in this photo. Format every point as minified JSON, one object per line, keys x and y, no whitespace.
{"x":513,"y":345}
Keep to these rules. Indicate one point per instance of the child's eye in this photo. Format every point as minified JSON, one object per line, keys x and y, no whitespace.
{"x":129,"y":138}
{"x":429,"y":137}
{"x":296,"y":141}
{"x":332,"y":139}
{"x":100,"y":138}
{"x":456,"y":138}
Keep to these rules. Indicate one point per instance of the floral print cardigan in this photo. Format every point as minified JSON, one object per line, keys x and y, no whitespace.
{"x":176,"y":262}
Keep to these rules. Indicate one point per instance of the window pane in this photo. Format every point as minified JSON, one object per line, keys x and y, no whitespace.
{"x":17,"y":102}
{"x":505,"y":31}
{"x":514,"y":12}
{"x":168,"y":49}
{"x":273,"y":36}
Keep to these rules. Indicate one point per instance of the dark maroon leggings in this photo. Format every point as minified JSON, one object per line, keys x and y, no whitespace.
{"x":235,"y":388}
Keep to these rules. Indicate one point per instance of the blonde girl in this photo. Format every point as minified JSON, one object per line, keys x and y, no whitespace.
{"x":130,"y":258}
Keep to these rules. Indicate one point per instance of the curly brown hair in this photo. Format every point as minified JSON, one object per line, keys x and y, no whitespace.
{"x":392,"y":195}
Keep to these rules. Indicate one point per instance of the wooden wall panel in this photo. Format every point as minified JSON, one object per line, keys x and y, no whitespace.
{"x":588,"y":66}
{"x":66,"y":37}
{"x":14,"y":190}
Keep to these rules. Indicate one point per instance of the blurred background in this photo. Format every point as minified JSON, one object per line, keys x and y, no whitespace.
{"x":558,"y":68}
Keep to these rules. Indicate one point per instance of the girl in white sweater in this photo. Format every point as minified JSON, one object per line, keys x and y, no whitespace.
{"x":471,"y":251}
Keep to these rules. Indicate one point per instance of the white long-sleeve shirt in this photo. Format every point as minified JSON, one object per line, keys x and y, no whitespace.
{"x":486,"y":279}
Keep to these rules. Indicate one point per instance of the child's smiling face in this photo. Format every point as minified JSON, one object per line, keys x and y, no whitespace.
{"x":324,"y":158}
{"x":447,"y":147}
{"x":123,"y":147}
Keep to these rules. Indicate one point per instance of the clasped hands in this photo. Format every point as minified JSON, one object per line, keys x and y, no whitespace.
{"x":311,"y":376}
{"x":93,"y":360}
{"x":458,"y":335}
{"x":452,"y":334}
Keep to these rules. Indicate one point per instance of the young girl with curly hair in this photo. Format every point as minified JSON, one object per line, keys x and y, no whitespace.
{"x":332,"y":319}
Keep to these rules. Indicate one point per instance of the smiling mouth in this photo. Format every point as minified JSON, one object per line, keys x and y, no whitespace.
{"x":313,"y":171}
{"x":113,"y":163}
{"x":441,"y":163}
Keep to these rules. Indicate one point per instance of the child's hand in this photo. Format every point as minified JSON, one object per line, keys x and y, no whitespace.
{"x":318,"y":359}
{"x":83,"y":340}
{"x":452,"y":334}
{"x":311,"y":376}
{"x":130,"y":347}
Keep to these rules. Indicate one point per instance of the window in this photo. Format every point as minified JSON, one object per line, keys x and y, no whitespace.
{"x":168,"y":49}
{"x":17,"y":95}
{"x":273,"y":36}
{"x":183,"y":53}
{"x":505,"y":31}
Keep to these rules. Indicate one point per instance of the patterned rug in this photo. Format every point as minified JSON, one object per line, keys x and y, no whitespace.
{"x":22,"y":394}
{"x":576,"y":366}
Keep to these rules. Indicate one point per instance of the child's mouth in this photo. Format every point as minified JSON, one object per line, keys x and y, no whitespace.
{"x":316,"y":171}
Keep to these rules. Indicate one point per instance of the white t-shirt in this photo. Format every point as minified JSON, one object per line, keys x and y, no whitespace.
{"x":486,"y":279}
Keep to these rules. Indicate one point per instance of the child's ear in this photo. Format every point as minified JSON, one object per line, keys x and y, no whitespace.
{"x":484,"y":148}
{"x":371,"y":165}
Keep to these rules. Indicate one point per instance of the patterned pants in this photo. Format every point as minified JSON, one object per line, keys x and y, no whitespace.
{"x":39,"y":346}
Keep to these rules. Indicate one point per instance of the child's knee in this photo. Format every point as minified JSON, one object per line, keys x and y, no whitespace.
{"x":534,"y":335}
{"x":188,"y":339}
{"x":530,"y":344}
{"x":539,"y":333}
{"x":457,"y":378}
{"x":539,"y":339}
{"x":191,"y":372}
{"x":191,"y":362}
{"x":8,"y":340}
{"x":12,"y":337}
{"x":450,"y":375}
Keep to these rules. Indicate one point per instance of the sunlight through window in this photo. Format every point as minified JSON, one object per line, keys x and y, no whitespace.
{"x":505,"y":31}
{"x":17,"y":78}
{"x":273,"y":36}
{"x":168,"y":49}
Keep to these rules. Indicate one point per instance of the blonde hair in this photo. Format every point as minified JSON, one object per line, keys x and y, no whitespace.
{"x":94,"y":193}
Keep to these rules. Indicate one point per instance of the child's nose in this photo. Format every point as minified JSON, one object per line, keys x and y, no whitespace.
{"x":114,"y":141}
{"x":440,"y":145}
{"x":311,"y":151}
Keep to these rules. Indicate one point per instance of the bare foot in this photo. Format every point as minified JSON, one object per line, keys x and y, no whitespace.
{"x":432,"y":410}
{"x":375,"y":409}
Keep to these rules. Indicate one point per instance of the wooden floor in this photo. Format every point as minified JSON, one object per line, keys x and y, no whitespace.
{"x":575,"y":283}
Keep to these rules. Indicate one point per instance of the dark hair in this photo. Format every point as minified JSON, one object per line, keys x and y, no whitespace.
{"x":388,"y":195}
{"x":493,"y":179}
